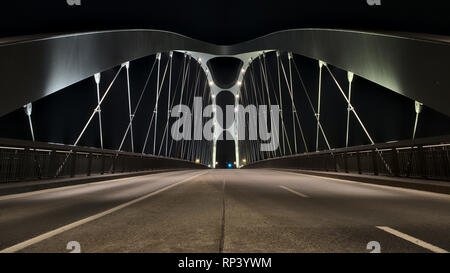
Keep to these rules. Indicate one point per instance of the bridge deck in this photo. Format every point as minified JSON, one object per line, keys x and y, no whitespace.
{"x":225,"y":210}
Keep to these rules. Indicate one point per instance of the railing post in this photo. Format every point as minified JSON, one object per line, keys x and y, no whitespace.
{"x":374,"y":162}
{"x":446,"y":163}
{"x":102,"y":171}
{"x":51,"y":169}
{"x":345,"y":161}
{"x":358,"y":162}
{"x":73,"y":163}
{"x":422,"y":161}
{"x":395,"y":165}
{"x":124,"y":163}
{"x":114,"y":162}
{"x":335,"y":162}
{"x":89,"y":165}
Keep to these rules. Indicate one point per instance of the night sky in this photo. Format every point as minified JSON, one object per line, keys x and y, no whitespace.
{"x":60,"y":117}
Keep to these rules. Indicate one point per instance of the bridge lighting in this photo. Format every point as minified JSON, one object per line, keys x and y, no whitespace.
{"x":239,"y":83}
{"x":350,"y":76}
{"x":126,"y":65}
{"x":199,"y":60}
{"x":97,"y":78}
{"x":237,"y":96}
{"x":244,"y":160}
{"x":197,"y":160}
{"x":213,"y":96}
{"x":211,"y":83}
{"x":230,"y":165}
{"x":242,"y":70}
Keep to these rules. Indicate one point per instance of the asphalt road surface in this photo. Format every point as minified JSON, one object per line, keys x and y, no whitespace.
{"x":225,"y":211}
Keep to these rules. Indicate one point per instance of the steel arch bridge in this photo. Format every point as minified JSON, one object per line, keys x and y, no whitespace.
{"x":51,"y":63}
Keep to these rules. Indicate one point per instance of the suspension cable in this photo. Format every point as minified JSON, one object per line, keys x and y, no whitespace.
{"x":291,"y":94}
{"x":311,"y":105}
{"x":154,"y":109}
{"x":138,"y":104}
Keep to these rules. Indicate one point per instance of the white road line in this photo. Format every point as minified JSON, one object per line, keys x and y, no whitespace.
{"x":295,"y":192}
{"x":62,"y":229}
{"x":31,"y":193}
{"x":414,"y":191}
{"x":413,"y":239}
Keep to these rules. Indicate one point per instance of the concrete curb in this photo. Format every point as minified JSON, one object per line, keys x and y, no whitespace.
{"x":416,"y":184}
{"x":50,"y":184}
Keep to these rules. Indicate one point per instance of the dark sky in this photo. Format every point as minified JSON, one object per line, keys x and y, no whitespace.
{"x":219,"y":21}
{"x":59,"y":117}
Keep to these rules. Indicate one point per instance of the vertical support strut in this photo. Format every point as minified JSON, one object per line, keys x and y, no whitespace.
{"x":321,"y":64}
{"x":280,"y":100}
{"x":350,"y":76}
{"x":214,"y":149}
{"x":127,"y":67}
{"x":290,"y":57}
{"x":99,"y":110}
{"x":236,"y":129}
{"x":28,"y":109}
{"x":158,"y":57}
{"x":168,"y":101}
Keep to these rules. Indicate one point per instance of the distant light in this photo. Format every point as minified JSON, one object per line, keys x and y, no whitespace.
{"x":242,"y":70}
{"x":237,"y":96}
{"x":211,"y":83}
{"x":244,"y":160}
{"x":239,"y":83}
{"x":213,"y":96}
{"x":197,"y":160}
{"x":199,"y":60}
{"x":230,"y":165}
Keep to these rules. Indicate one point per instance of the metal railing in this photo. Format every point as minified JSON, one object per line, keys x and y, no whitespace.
{"x":26,"y":161}
{"x":427,"y":158}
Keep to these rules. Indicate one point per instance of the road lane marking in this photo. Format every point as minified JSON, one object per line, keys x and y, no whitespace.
{"x":31,"y":193}
{"x":62,"y":229}
{"x":413,"y":239}
{"x":294,"y":192}
{"x":414,"y":191}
